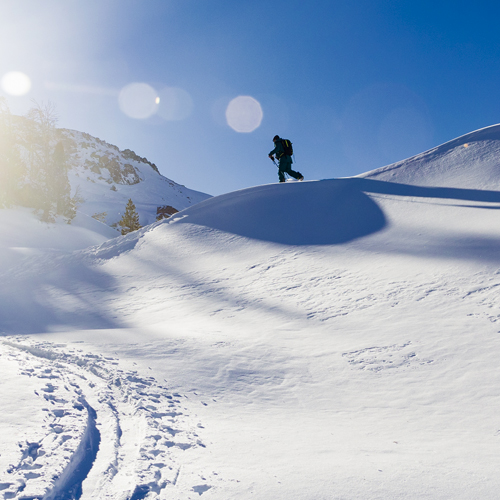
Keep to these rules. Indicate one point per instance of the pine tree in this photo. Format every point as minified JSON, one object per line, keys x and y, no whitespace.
{"x":40,"y":137}
{"x":59,"y":187}
{"x":130,"y":220}
{"x":73,"y":202}
{"x":12,"y":167}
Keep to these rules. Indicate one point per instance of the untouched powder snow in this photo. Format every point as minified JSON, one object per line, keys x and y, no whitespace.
{"x":470,"y":161}
{"x":315,"y":340}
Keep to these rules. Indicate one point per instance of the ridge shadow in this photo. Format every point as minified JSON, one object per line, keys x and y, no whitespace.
{"x":325,"y":212}
{"x":394,"y":188}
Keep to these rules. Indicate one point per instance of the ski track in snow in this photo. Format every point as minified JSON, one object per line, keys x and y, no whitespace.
{"x":122,"y":434}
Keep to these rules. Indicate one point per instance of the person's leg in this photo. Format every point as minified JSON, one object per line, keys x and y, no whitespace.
{"x":282,"y":167}
{"x":281,"y":175}
{"x":292,"y":173}
{"x":295,"y":175}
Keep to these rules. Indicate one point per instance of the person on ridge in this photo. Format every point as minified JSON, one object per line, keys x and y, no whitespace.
{"x":285,"y":161}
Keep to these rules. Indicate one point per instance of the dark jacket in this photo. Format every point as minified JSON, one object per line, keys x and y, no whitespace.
{"x":280,"y":152}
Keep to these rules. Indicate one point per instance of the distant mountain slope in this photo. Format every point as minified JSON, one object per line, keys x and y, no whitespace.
{"x":108,"y":177}
{"x":471,"y":161}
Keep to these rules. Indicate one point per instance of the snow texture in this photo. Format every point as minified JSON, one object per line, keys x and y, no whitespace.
{"x":316,"y":340}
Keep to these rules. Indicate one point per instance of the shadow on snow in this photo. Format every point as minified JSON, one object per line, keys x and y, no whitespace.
{"x":312,"y":213}
{"x":396,"y":189}
{"x":327,"y":212}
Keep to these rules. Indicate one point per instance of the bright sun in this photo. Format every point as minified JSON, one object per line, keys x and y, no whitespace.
{"x":16,"y":83}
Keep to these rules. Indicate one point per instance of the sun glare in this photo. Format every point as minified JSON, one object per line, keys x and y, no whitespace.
{"x":244,"y":114}
{"x":16,"y":83}
{"x":138,"y":100}
{"x":175,"y":104}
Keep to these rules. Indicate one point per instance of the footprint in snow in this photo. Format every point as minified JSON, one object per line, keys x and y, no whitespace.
{"x":377,"y":359}
{"x":142,"y":428}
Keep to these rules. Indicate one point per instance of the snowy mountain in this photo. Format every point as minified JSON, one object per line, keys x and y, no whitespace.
{"x":58,"y":172}
{"x":107,"y":177}
{"x":323,"y":339}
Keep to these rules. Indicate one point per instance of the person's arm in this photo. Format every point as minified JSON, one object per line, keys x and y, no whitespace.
{"x":278,"y":150}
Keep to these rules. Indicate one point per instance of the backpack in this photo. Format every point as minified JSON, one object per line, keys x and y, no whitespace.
{"x":287,"y":147}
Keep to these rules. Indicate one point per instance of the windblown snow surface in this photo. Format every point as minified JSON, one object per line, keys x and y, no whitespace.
{"x":334,"y":339}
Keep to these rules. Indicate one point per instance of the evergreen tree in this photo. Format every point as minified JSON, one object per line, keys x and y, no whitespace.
{"x":71,"y":205}
{"x":12,"y":167}
{"x":130,"y":220}
{"x":59,"y":187}
{"x":34,"y":164}
{"x":39,"y":143}
{"x":48,"y":188}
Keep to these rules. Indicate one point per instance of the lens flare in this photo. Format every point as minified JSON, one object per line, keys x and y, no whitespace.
{"x":175,"y":104}
{"x":16,"y":83}
{"x":244,"y":114}
{"x":138,"y":100}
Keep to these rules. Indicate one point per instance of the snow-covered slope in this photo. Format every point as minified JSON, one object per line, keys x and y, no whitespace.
{"x":108,"y":177}
{"x":324,"y":339}
{"x":24,"y":235}
{"x":469,"y":162}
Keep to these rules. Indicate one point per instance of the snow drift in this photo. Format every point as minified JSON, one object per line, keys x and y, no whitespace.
{"x":313,"y":213}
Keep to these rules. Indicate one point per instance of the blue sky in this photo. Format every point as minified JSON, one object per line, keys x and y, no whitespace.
{"x":354,"y":85}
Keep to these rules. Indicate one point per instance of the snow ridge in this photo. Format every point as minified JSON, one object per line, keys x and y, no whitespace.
{"x":469,"y":161}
